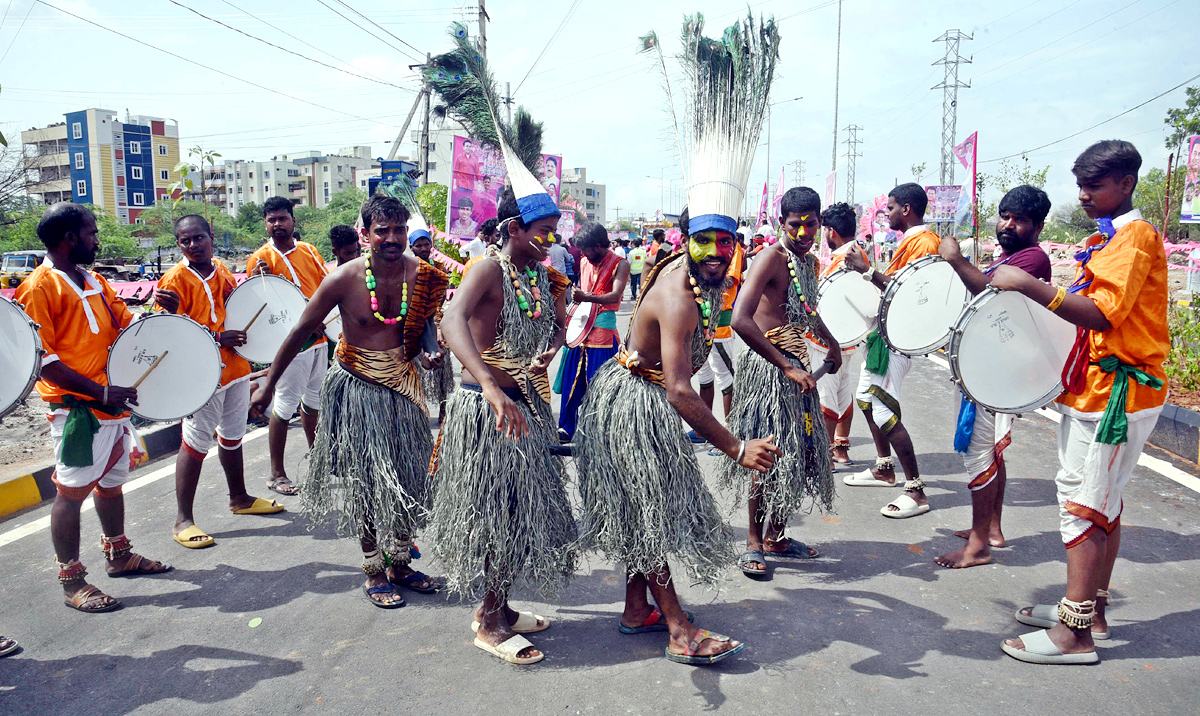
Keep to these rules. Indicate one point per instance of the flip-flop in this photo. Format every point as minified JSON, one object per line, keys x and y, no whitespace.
{"x":689,"y":656}
{"x":657,"y":621}
{"x":1039,"y":649}
{"x":261,"y":507}
{"x":1046,"y":616}
{"x":752,"y":555}
{"x":382,"y":589}
{"x":509,"y":648}
{"x":187,"y":538}
{"x":865,"y":479}
{"x":136,"y":570}
{"x":8,"y":646}
{"x":906,"y":507}
{"x":413,"y":579}
{"x":796,"y":550}
{"x":283,"y":482}
{"x":526,"y":623}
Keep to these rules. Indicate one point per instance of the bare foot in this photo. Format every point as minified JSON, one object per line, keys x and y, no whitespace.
{"x":995,"y":539}
{"x":961,"y":558}
{"x":841,"y":454}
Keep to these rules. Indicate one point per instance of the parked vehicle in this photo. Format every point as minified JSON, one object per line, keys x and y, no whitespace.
{"x":17,"y":265}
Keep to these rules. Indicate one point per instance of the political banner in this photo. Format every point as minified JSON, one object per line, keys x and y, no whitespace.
{"x":1189,"y":210}
{"x":477,"y":175}
{"x":943,"y":203}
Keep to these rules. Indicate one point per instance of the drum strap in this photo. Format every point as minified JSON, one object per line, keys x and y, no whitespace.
{"x":212,"y":305}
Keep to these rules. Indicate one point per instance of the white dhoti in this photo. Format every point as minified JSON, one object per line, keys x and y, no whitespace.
{"x":880,"y":394}
{"x":224,"y":416}
{"x":836,"y":390}
{"x":991,"y":435}
{"x":301,"y":382}
{"x":111,"y":447}
{"x":1092,"y":476}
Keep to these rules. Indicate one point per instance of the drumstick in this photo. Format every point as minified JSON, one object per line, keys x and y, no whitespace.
{"x":253,"y":319}
{"x":151,"y":368}
{"x":823,"y":370}
{"x":332,"y":318}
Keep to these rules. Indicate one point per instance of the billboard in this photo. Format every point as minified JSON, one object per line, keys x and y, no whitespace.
{"x":1189,"y":209}
{"x":477,"y":175}
{"x":943,"y":203}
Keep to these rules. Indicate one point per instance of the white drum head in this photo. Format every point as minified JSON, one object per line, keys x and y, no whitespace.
{"x":20,"y":355}
{"x":849,"y":306}
{"x":921,"y":305}
{"x":333,"y":325}
{"x":183,"y":381}
{"x":1008,"y":352}
{"x":284,"y":303}
{"x":578,"y":322}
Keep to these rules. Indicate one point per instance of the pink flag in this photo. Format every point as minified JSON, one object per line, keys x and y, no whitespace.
{"x":966,"y":151}
{"x":778,"y":197}
{"x":764,"y":215}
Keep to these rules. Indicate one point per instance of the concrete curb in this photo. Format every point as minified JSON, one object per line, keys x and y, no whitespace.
{"x":25,"y":491}
{"x":1178,"y":432}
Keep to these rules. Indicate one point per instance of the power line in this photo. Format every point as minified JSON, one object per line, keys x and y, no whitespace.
{"x":1082,"y":131}
{"x":199,"y":64}
{"x":377,"y":37}
{"x":284,"y":49}
{"x":558,"y":30}
{"x":1030,"y":26}
{"x":17,"y":34}
{"x":381,"y":27}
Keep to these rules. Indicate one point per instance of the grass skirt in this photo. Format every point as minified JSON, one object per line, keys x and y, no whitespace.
{"x":370,"y":460}
{"x":766,"y":403}
{"x":500,"y":512}
{"x":644,"y":498}
{"x":438,"y":382}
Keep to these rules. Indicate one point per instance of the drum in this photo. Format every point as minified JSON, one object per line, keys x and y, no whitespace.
{"x":333,"y":325}
{"x":848,"y":305}
{"x":580,"y":319}
{"x":271,"y":307}
{"x":20,"y":355}
{"x":176,"y":360}
{"x":1007,"y":352}
{"x":920,"y":305}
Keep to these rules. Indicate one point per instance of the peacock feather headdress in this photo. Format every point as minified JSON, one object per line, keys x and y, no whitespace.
{"x":726,"y":86}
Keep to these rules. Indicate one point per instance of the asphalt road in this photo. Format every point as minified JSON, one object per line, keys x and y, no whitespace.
{"x":873,"y":626}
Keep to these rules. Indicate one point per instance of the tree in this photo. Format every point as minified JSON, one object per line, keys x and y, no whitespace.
{"x":1183,"y":121}
{"x":314,"y":224}
{"x":918,"y":170}
{"x":432,"y":200}
{"x":1150,"y":198}
{"x":1007,"y":176}
{"x":249,"y":218}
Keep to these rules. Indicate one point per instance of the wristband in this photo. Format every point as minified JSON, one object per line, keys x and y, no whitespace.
{"x":741,"y":451}
{"x":1058,"y":299}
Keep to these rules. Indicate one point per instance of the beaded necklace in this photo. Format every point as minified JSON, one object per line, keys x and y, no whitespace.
{"x":533,"y":290}
{"x":705,"y":310}
{"x":370,"y":281}
{"x":796,"y":284}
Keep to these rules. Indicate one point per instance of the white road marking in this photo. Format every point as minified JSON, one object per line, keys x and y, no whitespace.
{"x":1162,"y":467}
{"x":43,"y":522}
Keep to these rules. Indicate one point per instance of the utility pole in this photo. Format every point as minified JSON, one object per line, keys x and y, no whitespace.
{"x":949,"y":86}
{"x":618,"y":224}
{"x":837,"y":76}
{"x":425,"y":133}
{"x":798,"y":172}
{"x":483,"y":18}
{"x":508,"y":100}
{"x":852,"y":141}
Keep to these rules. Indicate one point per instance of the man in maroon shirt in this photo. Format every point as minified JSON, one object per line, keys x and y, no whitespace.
{"x":1022,"y":214}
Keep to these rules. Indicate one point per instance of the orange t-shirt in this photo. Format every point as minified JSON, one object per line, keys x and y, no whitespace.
{"x":737,"y":269}
{"x":911,"y":248}
{"x":1129,"y":286}
{"x":302,"y":266}
{"x":77,"y":326}
{"x":207,"y":307}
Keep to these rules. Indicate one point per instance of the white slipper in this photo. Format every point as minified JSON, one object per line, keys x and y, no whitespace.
{"x":1046,"y":616}
{"x":905,"y":507}
{"x":1039,"y":649}
{"x":509,"y":648}
{"x":527,"y":623}
{"x":865,"y":479}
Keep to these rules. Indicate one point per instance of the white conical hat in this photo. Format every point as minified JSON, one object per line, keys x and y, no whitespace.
{"x":417,"y":228}
{"x":533,"y":200}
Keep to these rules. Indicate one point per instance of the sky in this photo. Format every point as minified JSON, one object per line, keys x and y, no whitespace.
{"x":1040,"y":71}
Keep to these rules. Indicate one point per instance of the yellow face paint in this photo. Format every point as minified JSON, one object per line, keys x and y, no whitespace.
{"x":701,"y":246}
{"x":543,"y":239}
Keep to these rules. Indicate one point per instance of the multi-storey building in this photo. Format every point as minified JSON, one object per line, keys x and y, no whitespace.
{"x":95,"y":158}
{"x":590,"y":195}
{"x":307,"y":178}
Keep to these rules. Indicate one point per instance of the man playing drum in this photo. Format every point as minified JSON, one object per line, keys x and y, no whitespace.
{"x":837,"y":389}
{"x":370,"y":460}
{"x":79,"y":317}
{"x":884,"y":370}
{"x":1115,"y":391}
{"x":203,"y":283}
{"x":299,"y":262}
{"x":983,"y":435}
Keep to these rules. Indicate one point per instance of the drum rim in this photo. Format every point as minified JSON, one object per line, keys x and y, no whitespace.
{"x":960,"y":324}
{"x":575,"y":308}
{"x":325,"y":326}
{"x":152,"y":316}
{"x":237,"y":349}
{"x":836,"y":273}
{"x":889,"y":295}
{"x":39,"y":352}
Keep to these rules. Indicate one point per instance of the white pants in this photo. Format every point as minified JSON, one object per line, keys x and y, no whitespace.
{"x":881,"y":393}
{"x":835,"y":389}
{"x":992,"y":434}
{"x":301,"y":382}
{"x":224,"y":414}
{"x":1092,"y":476}
{"x":111,"y":434}
{"x":719,"y":366}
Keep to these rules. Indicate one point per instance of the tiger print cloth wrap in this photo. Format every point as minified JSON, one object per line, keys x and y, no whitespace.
{"x":424,"y":302}
{"x":387,"y":368}
{"x":644,"y":499}
{"x":767,"y":403}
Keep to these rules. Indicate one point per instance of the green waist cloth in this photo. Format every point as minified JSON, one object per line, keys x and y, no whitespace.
{"x":81,"y":426}
{"x":878,"y":356}
{"x":725,"y":318}
{"x":1114,"y":426}
{"x":608,"y":319}
{"x":312,"y":341}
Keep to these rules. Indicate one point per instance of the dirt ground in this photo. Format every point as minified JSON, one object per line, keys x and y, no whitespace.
{"x":25,"y":439}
